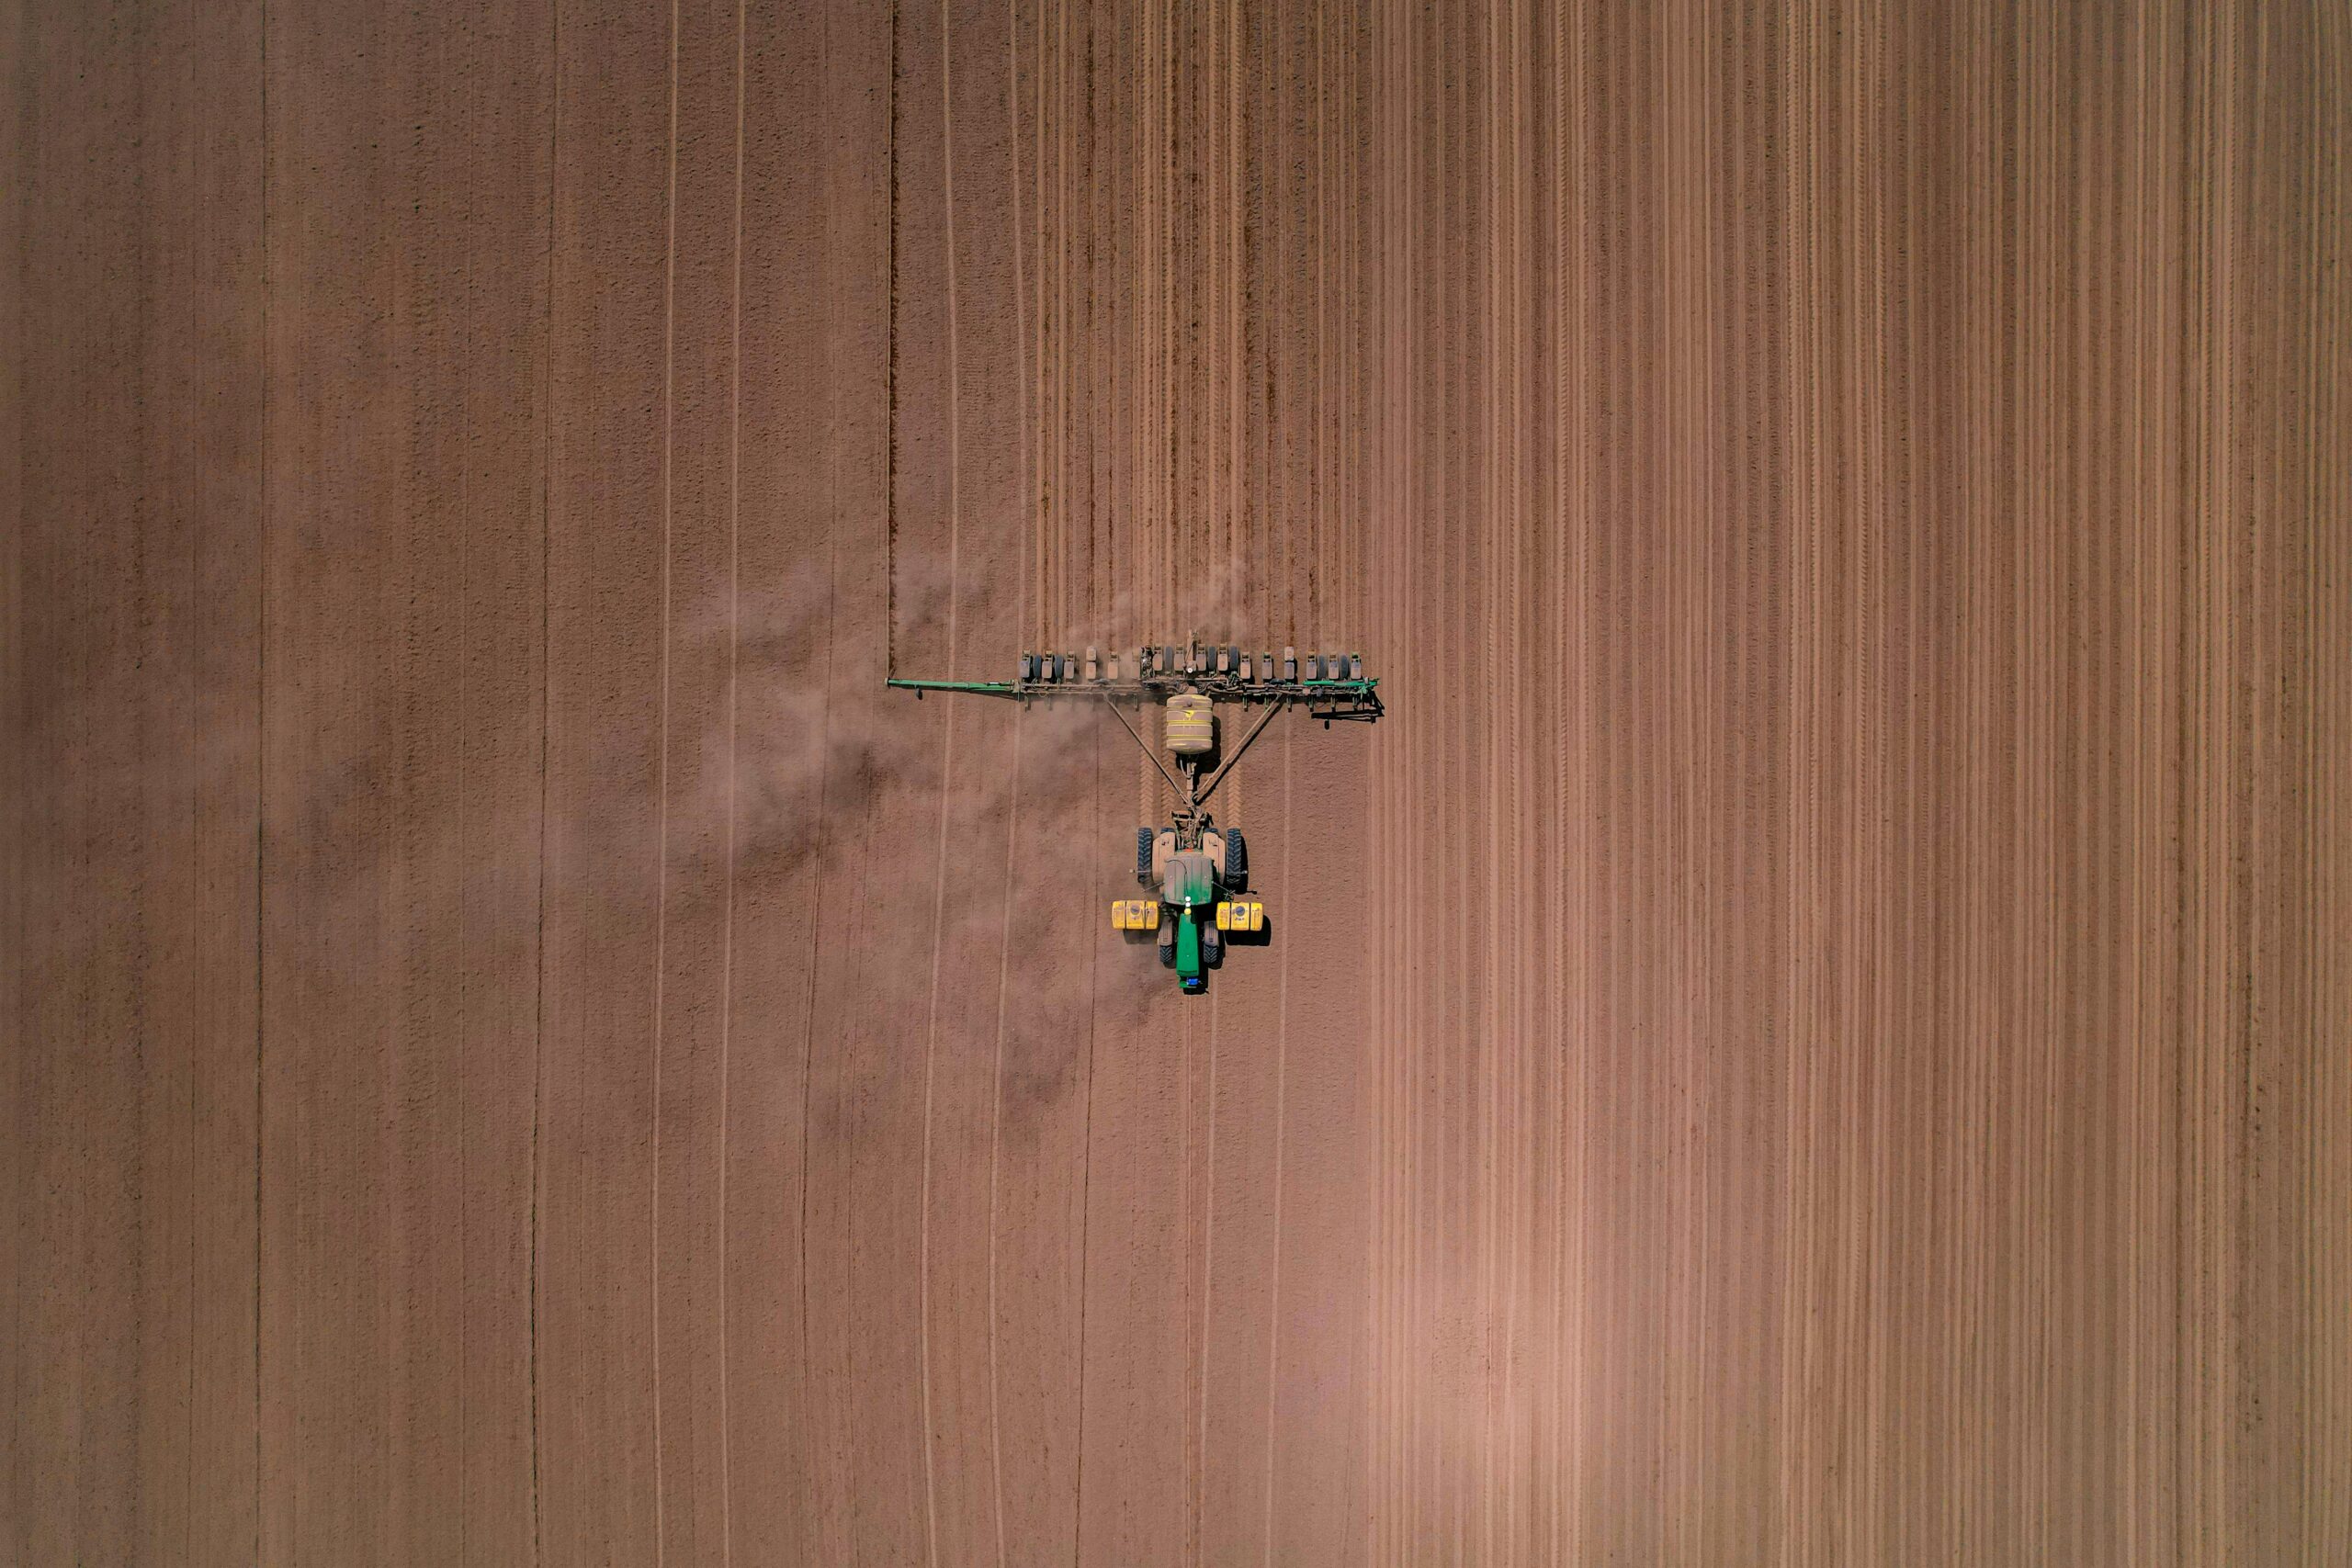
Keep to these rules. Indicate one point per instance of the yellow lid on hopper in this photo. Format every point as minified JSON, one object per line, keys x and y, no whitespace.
{"x":1192,"y":724}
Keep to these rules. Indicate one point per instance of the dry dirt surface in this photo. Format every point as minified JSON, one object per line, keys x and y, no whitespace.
{"x":1817,"y":1032}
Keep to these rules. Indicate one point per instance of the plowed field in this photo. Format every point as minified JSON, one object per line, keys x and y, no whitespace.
{"x":1817,"y":1031}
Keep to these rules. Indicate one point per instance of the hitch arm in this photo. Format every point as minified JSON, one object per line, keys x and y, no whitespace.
{"x":1255,"y":730}
{"x":1182,"y":793}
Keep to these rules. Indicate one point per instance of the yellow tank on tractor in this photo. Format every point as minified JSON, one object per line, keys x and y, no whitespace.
{"x":1196,"y":874}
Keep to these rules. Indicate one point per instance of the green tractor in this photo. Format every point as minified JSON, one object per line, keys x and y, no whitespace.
{"x":1199,"y":908}
{"x":1201,"y":872}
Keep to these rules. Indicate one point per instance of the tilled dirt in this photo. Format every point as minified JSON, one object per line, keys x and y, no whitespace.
{"x":1814,"y":1032}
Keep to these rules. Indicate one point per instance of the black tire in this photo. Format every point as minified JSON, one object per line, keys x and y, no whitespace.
{"x":1236,"y":860}
{"x":1212,"y":947}
{"x":1143,"y":856}
{"x":1167,"y":944}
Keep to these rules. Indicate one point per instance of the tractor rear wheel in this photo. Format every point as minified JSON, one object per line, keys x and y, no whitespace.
{"x":1143,"y":856}
{"x":1236,"y":860}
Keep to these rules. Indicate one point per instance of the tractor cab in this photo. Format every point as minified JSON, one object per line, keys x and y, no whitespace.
{"x":1189,"y":881}
{"x":1188,"y":887}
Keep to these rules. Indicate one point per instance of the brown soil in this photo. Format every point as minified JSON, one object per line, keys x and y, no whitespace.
{"x":1816,"y":1032}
